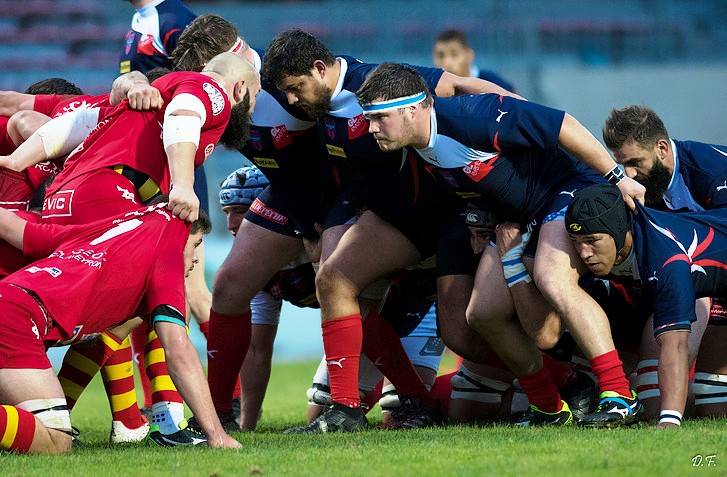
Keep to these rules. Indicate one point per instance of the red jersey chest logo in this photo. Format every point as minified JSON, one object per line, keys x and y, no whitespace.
{"x":146,"y":45}
{"x":281,"y":138}
{"x":477,"y":170}
{"x":357,"y":127}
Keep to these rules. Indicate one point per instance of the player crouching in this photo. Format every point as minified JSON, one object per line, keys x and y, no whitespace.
{"x":95,"y":276}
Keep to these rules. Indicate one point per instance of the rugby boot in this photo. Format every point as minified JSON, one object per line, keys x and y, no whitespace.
{"x":338,"y":418}
{"x":536,"y":417}
{"x":614,"y":410}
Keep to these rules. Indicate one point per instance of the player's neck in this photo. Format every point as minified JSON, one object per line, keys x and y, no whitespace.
{"x":626,"y":250}
{"x":423,"y":128}
{"x":139,"y":4}
{"x":333,"y":73}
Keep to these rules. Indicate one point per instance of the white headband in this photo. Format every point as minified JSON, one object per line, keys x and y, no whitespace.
{"x":396,"y":103}
{"x":238,"y":46}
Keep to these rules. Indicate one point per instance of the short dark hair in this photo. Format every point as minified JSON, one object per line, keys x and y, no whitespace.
{"x":392,"y":80}
{"x":292,"y":53}
{"x":453,"y":35}
{"x":203,"y":39}
{"x":54,"y":86}
{"x":633,"y":123}
{"x":202,"y":224}
{"x":156,"y":73}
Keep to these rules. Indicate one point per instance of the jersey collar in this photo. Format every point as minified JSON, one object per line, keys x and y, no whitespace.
{"x":339,"y":84}
{"x":147,"y":10}
{"x":432,"y":131}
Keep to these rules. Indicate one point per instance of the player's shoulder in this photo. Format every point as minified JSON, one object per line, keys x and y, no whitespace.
{"x":175,"y":12}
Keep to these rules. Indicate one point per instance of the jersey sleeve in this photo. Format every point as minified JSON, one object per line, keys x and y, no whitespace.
{"x":40,"y":240}
{"x":45,"y":103}
{"x":430,"y":75}
{"x":521,"y":123}
{"x":165,"y":285}
{"x":216,"y":103}
{"x":673,"y":297}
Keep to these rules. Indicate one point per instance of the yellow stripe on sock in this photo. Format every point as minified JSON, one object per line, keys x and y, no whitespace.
{"x":151,"y":336}
{"x":70,"y":389}
{"x":115,"y":372}
{"x":154,"y":356}
{"x":162,"y":383}
{"x":11,"y":429}
{"x":76,"y":360}
{"x":119,"y":402}
{"x":110,"y":341}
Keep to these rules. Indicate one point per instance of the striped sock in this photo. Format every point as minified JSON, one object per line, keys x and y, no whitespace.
{"x":81,"y":363}
{"x":17,"y":428}
{"x":118,"y":377}
{"x":138,"y":345}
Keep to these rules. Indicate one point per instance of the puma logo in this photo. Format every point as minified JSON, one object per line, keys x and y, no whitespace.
{"x":502,"y":113}
{"x":722,"y":187}
{"x":338,"y":362}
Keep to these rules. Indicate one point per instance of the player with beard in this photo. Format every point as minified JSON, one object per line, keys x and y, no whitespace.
{"x":678,"y":176}
{"x":404,"y":217}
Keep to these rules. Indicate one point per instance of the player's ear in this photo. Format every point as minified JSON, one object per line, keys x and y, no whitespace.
{"x":239,"y":90}
{"x":320,"y":68}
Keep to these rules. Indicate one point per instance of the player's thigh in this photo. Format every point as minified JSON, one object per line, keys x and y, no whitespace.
{"x":18,"y":385}
{"x":491,"y":300}
{"x":256,"y":255}
{"x":370,"y":249}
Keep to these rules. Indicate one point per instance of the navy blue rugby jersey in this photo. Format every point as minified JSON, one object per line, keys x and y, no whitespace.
{"x":155,"y":31}
{"x":502,"y":149}
{"x":679,"y":258}
{"x":699,"y":180}
{"x":392,"y":184}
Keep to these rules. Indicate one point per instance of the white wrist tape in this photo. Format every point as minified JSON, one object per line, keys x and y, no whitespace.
{"x":179,"y":129}
{"x":512,"y":263}
{"x":63,"y":134}
{"x":671,"y":417}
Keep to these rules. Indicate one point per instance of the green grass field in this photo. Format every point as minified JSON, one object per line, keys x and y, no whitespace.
{"x":455,"y":451}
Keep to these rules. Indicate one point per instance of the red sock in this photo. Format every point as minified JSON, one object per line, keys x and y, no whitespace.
{"x":442,"y":391}
{"x":342,"y":344}
{"x":382,"y":345}
{"x":561,"y":372}
{"x":541,"y":391}
{"x":162,"y":387}
{"x":204,"y":328}
{"x":608,"y":369}
{"x":227,"y":343}
{"x":138,"y":345}
{"x":18,"y":423}
{"x":371,"y":398}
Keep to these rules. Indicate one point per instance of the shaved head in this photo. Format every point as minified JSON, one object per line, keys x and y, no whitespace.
{"x":232,"y":70}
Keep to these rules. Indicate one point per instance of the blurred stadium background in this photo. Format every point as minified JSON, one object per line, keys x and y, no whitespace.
{"x":584,"y":56}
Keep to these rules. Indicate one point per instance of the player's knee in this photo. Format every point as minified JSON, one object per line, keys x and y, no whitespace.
{"x":54,"y":415}
{"x":331,"y":282}
{"x":478,"y":317}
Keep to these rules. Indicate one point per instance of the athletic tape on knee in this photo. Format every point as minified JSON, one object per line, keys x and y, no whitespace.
{"x":647,"y":379}
{"x":53,"y":413}
{"x":389,"y":398}
{"x":473,"y":387}
{"x":63,"y":134}
{"x":709,"y":388}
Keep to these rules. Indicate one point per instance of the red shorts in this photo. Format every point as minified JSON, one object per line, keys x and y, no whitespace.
{"x":22,"y":328}
{"x":16,"y":190}
{"x":90,"y":197}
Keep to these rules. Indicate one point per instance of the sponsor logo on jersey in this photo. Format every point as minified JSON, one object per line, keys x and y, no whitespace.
{"x":357,"y":127}
{"x":216,"y":98}
{"x":264,"y":211}
{"x":59,"y":204}
{"x":467,"y":195}
{"x":54,"y":272}
{"x":266,"y":162}
{"x":335,"y":150}
{"x":281,"y":138}
{"x":330,"y":127}
{"x":208,"y":150}
{"x":478,"y":170}
{"x":255,"y":140}
{"x":146,"y":45}
{"x":129,"y":42}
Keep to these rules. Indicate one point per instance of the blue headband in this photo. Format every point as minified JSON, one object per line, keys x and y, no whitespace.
{"x":396,"y":103}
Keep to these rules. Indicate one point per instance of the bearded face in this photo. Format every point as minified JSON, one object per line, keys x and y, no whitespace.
{"x":238,"y":128}
{"x":656,"y":183}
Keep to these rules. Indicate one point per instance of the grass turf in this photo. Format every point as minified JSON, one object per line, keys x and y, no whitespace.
{"x":460,"y":450}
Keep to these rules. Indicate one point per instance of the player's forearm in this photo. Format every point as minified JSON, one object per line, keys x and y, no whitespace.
{"x":12,"y":228}
{"x":451,"y":84}
{"x":11,"y":102}
{"x":579,"y":142}
{"x":673,"y":370}
{"x":188,"y":376}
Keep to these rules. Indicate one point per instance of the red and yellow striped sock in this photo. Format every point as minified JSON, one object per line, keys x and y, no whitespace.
{"x":17,"y":428}
{"x":82,"y":362}
{"x":118,"y":377}
{"x":138,"y":345}
{"x":162,"y":387}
